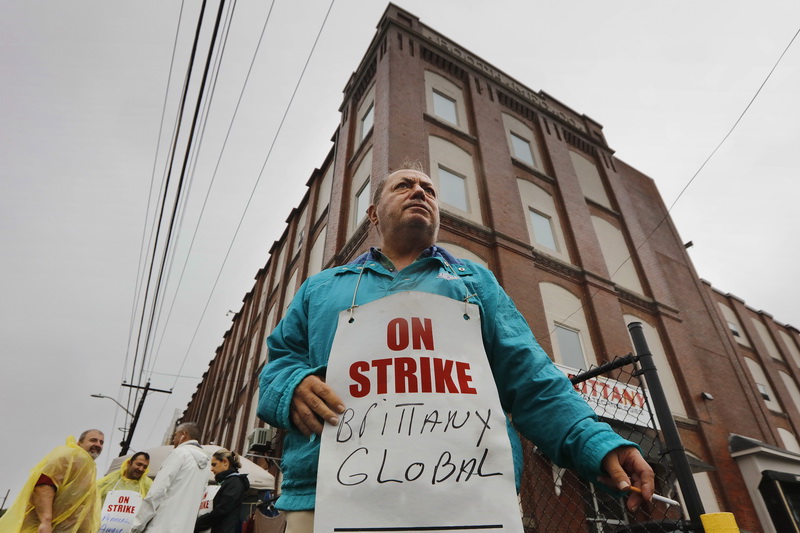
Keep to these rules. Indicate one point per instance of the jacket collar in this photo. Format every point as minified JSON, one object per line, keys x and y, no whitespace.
{"x":371,"y":261}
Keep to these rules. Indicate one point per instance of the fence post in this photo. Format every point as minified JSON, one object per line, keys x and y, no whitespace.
{"x":672,"y":439}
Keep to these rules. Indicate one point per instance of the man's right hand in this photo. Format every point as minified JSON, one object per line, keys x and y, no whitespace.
{"x":45,"y":527}
{"x":312,"y":403}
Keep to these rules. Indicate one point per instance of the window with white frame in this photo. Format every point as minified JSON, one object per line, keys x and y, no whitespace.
{"x":367,"y":120}
{"x":569,"y":347}
{"x":733,"y":324}
{"x":445,"y":100}
{"x":566,"y":319}
{"x":279,"y":265}
{"x":453,"y":189}
{"x":315,"y":257}
{"x":522,"y":141}
{"x":617,"y":255}
{"x":762,"y":384}
{"x":444,"y":107}
{"x":522,"y":149}
{"x":766,"y":338}
{"x":453,"y":173}
{"x":324,"y":194}
{"x":362,"y":202}
{"x":589,"y":178}
{"x":463,"y":253}
{"x":360,"y":191}
{"x":789,"y":440}
{"x":788,"y":341}
{"x":544,"y":225}
{"x":791,"y":386}
{"x":291,"y":288}
{"x":543,"y":230}
{"x":660,"y":359}
{"x":366,"y":115}
{"x":300,"y":231}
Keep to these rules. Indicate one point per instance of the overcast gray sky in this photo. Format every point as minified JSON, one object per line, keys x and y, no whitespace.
{"x":82,"y":85}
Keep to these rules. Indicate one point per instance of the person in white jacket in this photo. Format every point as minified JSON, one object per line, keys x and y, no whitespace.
{"x":173,"y":501}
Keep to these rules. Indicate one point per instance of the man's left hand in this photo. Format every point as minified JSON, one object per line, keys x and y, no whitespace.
{"x":624,"y":467}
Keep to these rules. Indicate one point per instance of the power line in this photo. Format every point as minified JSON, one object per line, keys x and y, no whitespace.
{"x":691,"y":180}
{"x":143,"y":249}
{"x":195,"y":156}
{"x":255,"y":186}
{"x":163,"y":199}
{"x":214,"y":174}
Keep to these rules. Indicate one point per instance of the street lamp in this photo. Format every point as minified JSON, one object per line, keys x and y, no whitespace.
{"x":126,"y":444}
{"x":113,"y":400}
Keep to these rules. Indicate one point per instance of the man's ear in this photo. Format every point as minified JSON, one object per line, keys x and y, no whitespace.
{"x":372,"y":214}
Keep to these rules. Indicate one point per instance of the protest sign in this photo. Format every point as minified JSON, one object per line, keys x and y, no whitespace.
{"x":423,"y":443}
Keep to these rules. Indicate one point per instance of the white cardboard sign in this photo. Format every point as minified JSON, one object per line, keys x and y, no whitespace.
{"x":423,"y":443}
{"x":118,"y":511}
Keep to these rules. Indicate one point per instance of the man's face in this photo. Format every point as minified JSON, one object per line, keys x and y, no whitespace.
{"x":179,"y":437}
{"x":137,"y":467}
{"x":93,"y":443}
{"x":408,"y":202}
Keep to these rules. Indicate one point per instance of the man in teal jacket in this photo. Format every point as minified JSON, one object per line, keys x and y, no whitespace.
{"x":539,"y":398}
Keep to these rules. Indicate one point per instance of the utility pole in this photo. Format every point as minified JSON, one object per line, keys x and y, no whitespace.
{"x":126,"y":444}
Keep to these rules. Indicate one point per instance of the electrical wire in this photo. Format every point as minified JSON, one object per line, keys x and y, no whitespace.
{"x":214,"y":174}
{"x":158,"y":225}
{"x":691,"y":180}
{"x":255,"y":186}
{"x":195,"y":156}
{"x":143,"y":247}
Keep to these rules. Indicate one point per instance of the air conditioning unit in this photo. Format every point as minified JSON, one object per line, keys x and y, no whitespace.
{"x":261,"y":436}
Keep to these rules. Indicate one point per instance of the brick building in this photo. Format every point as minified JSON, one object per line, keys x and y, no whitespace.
{"x":581,"y":241}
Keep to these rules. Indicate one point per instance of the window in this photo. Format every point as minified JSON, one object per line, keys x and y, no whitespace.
{"x":766,"y":338}
{"x":452,"y":189}
{"x":791,"y":386}
{"x":445,"y":101}
{"x":367,"y":120}
{"x":362,"y":202}
{"x":453,"y":173}
{"x":566,"y":319}
{"x":789,"y":440}
{"x":324,"y":194}
{"x":360,"y":191}
{"x":544,"y":225}
{"x":733,"y":324}
{"x":589,"y":178}
{"x":543,"y":230}
{"x":315,"y":257}
{"x":445,"y":108}
{"x":618,"y":257}
{"x":762,"y":385}
{"x":790,"y":345}
{"x":366,"y":115}
{"x":522,"y":149}
{"x":569,"y":347}
{"x":522,"y":141}
{"x":762,"y":389}
{"x":665,"y":372}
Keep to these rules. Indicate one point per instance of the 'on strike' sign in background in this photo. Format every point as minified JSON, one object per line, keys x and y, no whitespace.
{"x":423,"y":442}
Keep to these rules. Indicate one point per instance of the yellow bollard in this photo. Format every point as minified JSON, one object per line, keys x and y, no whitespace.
{"x":719,"y":523}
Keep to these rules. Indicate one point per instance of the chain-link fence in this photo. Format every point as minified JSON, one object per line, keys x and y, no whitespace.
{"x":557,"y":500}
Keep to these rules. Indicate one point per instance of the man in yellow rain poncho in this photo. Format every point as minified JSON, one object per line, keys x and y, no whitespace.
{"x":132,"y":475}
{"x":60,"y":495}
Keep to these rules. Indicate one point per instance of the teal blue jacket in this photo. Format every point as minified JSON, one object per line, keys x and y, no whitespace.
{"x":538,"y":397}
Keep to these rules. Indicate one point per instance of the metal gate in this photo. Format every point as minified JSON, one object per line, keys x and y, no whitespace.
{"x":554,"y":500}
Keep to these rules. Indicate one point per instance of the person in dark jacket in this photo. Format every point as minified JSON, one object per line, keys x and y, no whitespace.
{"x":224,"y":516}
